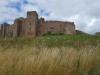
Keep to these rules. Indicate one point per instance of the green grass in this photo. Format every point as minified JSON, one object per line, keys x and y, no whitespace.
{"x":50,"y":55}
{"x":76,"y":41}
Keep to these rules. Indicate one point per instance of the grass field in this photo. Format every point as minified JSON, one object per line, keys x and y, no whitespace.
{"x":50,"y":55}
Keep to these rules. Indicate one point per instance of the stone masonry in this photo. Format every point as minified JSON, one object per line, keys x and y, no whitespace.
{"x":33,"y":26}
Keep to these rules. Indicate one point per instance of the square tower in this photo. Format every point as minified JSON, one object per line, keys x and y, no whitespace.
{"x":32,"y":22}
{"x":4,"y":27}
{"x":32,"y":15}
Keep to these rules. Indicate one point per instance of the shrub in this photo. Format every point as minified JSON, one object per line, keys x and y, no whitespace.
{"x":49,"y":33}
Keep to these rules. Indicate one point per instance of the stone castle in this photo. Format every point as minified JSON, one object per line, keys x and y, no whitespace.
{"x":33,"y":26}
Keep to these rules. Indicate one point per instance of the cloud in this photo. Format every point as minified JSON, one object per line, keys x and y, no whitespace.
{"x":85,"y":13}
{"x":94,"y":26}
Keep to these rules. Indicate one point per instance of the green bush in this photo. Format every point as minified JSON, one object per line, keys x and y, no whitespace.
{"x":49,"y":33}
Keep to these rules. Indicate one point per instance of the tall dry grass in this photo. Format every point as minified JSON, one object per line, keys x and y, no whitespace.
{"x":50,"y":61}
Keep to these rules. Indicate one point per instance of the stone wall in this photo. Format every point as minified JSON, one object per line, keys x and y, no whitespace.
{"x":59,"y":27}
{"x":9,"y":31}
{"x":53,"y":26}
{"x":69,"y":28}
{"x":32,"y":22}
{"x":4,"y":29}
{"x":0,"y":34}
{"x":32,"y":26}
{"x":97,"y":33}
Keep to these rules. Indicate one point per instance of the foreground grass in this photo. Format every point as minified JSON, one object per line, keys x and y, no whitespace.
{"x":53,"y":55}
{"x":50,"y":61}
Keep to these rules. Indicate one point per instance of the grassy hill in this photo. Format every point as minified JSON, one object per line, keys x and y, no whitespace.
{"x":53,"y":41}
{"x":50,"y":55}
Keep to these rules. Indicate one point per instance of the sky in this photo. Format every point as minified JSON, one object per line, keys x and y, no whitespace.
{"x":84,"y":13}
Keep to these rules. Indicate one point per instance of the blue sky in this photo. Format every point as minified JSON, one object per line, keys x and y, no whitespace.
{"x":85,"y":13}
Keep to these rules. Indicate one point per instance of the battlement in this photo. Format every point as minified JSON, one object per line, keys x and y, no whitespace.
{"x":32,"y":14}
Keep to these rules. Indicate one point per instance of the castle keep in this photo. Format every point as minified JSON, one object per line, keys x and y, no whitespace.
{"x":33,"y":26}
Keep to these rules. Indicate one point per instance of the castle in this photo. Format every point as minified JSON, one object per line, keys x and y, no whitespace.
{"x":33,"y":26}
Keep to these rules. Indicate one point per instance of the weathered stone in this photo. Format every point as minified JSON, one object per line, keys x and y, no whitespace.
{"x":32,"y":26}
{"x":97,"y":33}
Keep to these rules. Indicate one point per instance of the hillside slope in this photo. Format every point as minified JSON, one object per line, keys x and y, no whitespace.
{"x":53,"y":41}
{"x":50,"y":55}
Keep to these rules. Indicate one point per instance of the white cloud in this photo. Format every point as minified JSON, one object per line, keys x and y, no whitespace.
{"x":92,"y":21}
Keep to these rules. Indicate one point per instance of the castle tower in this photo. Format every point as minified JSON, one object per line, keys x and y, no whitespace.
{"x":41,"y":20}
{"x":32,"y":22}
{"x":70,"y":28}
{"x":4,"y":29}
{"x":17,"y":29}
{"x":40,"y":28}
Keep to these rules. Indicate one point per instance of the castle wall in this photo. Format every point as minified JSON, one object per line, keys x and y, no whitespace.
{"x":97,"y":33}
{"x":70,"y":28}
{"x":40,"y":30}
{"x":15,"y":29}
{"x":4,"y":30}
{"x":24,"y":26}
{"x":0,"y":34}
{"x":9,"y":31}
{"x":19,"y":27}
{"x":40,"y":27}
{"x":32,"y":26}
{"x":58,"y":27}
{"x":53,"y":26}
